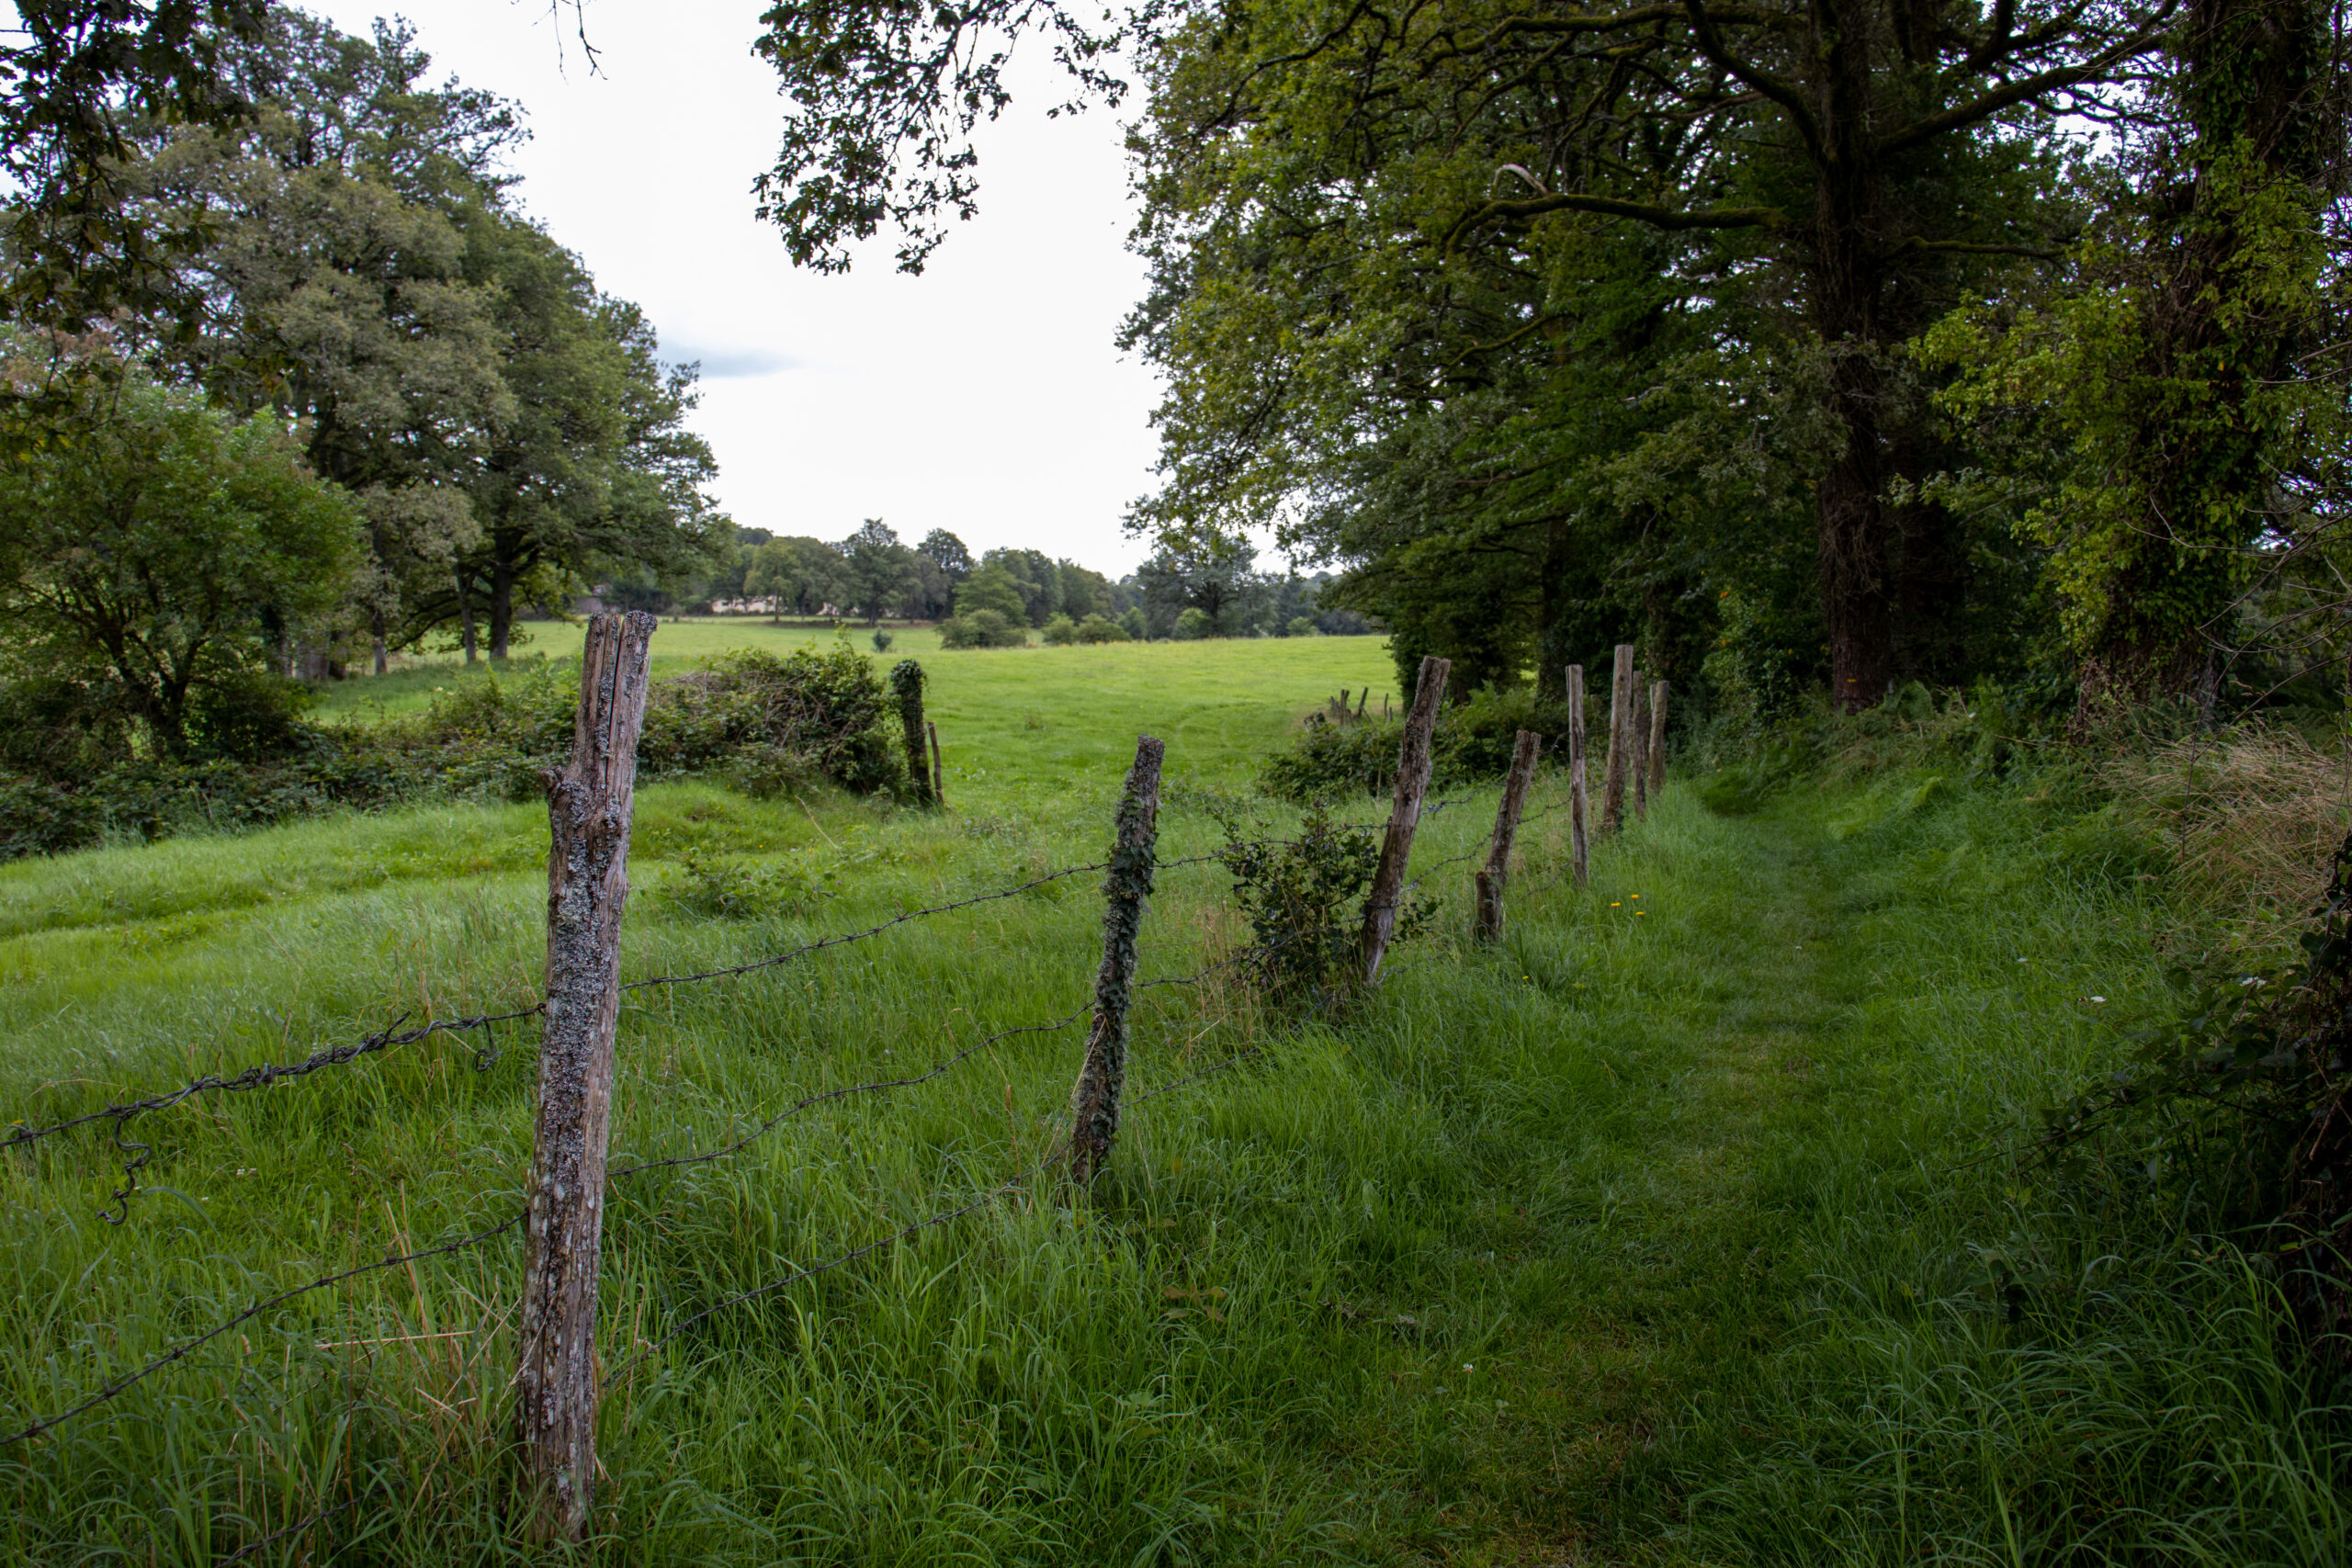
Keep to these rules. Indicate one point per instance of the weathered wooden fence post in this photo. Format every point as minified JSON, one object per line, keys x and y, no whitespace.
{"x":1638,"y":758}
{"x":1657,"y":738}
{"x":589,"y":806}
{"x":1621,"y":702}
{"x":1094,"y":1102}
{"x":1488,"y":926}
{"x":1579,"y":805}
{"x":1413,"y":764}
{"x":938,"y":770}
{"x":906,"y":680}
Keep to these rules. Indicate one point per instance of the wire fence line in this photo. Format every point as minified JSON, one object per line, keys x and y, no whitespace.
{"x":1057,"y":1152}
{"x":943,"y":1067}
{"x":555,"y":1349}
{"x":264,"y":1075}
{"x":186,"y":1348}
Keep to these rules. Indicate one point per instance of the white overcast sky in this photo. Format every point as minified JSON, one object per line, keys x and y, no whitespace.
{"x":986,"y":396}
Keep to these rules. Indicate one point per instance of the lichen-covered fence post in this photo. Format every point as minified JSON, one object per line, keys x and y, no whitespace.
{"x":906,"y":682}
{"x":1620,"y":705}
{"x":938,"y":770}
{"x":1414,"y":762}
{"x":1094,"y":1102}
{"x":1637,"y":762}
{"x":1656,"y":749}
{"x":1488,"y":926}
{"x":588,"y":807}
{"x":1580,"y":807}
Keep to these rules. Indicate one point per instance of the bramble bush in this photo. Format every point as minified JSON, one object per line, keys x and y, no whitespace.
{"x":1303,"y":898}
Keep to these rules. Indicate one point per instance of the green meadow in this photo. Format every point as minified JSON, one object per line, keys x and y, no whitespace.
{"x":1688,"y":1225}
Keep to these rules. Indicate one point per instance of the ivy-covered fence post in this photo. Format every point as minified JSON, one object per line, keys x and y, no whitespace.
{"x":905,"y":683}
{"x":1094,"y":1102}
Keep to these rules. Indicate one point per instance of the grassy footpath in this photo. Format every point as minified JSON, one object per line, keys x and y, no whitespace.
{"x":1678,"y":1229}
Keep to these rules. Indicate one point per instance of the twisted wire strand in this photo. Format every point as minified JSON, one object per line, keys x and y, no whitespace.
{"x":1253,"y":1054}
{"x":796,"y":1275}
{"x":380,"y":1489}
{"x":188,"y":1346}
{"x":844,"y":1093}
{"x":843,"y":940}
{"x":263,"y":1074}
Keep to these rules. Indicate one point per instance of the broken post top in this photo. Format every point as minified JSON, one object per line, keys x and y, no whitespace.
{"x":1138,"y":820}
{"x":613,"y":666}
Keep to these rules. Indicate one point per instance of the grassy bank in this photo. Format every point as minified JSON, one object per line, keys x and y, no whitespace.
{"x":1680,"y":1228}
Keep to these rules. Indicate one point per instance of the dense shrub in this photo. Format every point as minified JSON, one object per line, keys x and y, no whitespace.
{"x":1100,"y":629}
{"x":1303,"y":898}
{"x":1060,"y":631}
{"x":771,"y":724}
{"x":1195,"y":624}
{"x":1331,"y":757}
{"x":981,"y":628}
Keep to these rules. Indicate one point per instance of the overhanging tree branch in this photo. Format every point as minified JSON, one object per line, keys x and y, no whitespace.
{"x":2058,"y":79}
{"x":1712,"y":45}
{"x":1655,"y":215}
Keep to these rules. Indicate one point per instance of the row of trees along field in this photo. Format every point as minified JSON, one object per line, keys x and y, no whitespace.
{"x":871,"y":574}
{"x":1838,"y":344}
{"x":294,"y":377}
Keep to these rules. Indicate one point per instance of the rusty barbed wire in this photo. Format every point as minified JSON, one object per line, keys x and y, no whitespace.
{"x":844,"y":1093}
{"x":265,"y":1074}
{"x":188,"y":1346}
{"x":1059,"y":1152}
{"x":1253,"y":1054}
{"x":820,"y":945}
{"x":382,"y":1488}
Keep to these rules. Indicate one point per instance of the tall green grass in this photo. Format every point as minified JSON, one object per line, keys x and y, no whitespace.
{"x":1684,"y":1227}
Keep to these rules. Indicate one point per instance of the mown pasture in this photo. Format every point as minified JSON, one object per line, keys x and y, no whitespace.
{"x":1682,"y":1227}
